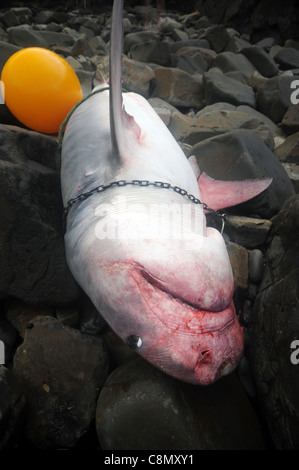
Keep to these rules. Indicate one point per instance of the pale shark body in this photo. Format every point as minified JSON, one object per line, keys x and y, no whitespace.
{"x":168,"y":296}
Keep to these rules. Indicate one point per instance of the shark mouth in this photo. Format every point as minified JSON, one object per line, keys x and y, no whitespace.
{"x":182,"y":311}
{"x":205,"y":345}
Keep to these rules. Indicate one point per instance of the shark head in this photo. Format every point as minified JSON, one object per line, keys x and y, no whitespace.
{"x":159,"y":276}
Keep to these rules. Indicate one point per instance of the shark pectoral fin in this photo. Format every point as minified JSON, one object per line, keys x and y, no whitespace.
{"x":220,"y":194}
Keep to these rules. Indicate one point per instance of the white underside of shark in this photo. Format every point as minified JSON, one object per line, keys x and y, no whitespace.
{"x":159,"y":276}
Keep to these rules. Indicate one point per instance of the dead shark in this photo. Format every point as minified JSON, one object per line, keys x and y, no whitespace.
{"x":137,"y":240}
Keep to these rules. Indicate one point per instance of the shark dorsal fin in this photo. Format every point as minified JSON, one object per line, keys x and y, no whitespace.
{"x":120,"y":120}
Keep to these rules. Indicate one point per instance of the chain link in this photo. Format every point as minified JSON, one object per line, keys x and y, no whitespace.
{"x":142,"y":183}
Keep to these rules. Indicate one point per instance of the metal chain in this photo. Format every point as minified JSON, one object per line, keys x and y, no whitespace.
{"x":143,"y":183}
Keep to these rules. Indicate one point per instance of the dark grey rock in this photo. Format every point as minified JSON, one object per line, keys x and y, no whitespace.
{"x":25,"y":36}
{"x":212,"y":123}
{"x":236,"y":44}
{"x":229,"y":62}
{"x":191,"y":62}
{"x":61,"y":378}
{"x":203,"y":43}
{"x":9,"y":18}
{"x":178,"y":88}
{"x":82,"y":47}
{"x":238,"y":155}
{"x":6,"y":50}
{"x":152,"y":51}
{"x":99,"y":46}
{"x":288,"y":151}
{"x":219,"y":87}
{"x":246,"y":231}
{"x":256,"y":265}
{"x":177,"y":415}
{"x":131,"y":39}
{"x":49,"y":16}
{"x":266,"y":43}
{"x":275,"y":327}
{"x":290,"y":121}
{"x":274,"y":98}
{"x":255,"y":113}
{"x":264,"y":63}
{"x":12,"y":410}
{"x":33,"y":266}
{"x":51,"y":38}
{"x":287,"y":58}
{"x":217,"y":36}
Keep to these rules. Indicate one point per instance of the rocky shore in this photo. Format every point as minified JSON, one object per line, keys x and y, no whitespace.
{"x":230,"y":98}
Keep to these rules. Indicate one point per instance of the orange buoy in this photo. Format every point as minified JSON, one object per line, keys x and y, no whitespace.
{"x":40,"y":88}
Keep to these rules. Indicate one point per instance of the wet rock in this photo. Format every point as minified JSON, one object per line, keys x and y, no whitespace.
{"x":275,"y":327}
{"x":61,"y":378}
{"x":264,"y":63}
{"x":239,"y":155}
{"x":33,"y":266}
{"x":274,"y":98}
{"x":178,"y":416}
{"x":178,"y":87}
{"x":218,"y":87}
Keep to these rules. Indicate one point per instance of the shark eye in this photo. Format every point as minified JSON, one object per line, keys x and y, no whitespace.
{"x":134,"y":342}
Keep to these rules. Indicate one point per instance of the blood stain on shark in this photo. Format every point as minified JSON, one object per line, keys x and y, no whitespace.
{"x":163,"y":283}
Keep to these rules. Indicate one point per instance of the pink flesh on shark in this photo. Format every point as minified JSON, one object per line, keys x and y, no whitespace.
{"x":168,"y":296}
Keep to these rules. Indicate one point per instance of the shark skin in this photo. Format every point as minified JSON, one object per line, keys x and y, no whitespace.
{"x":158,"y":275}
